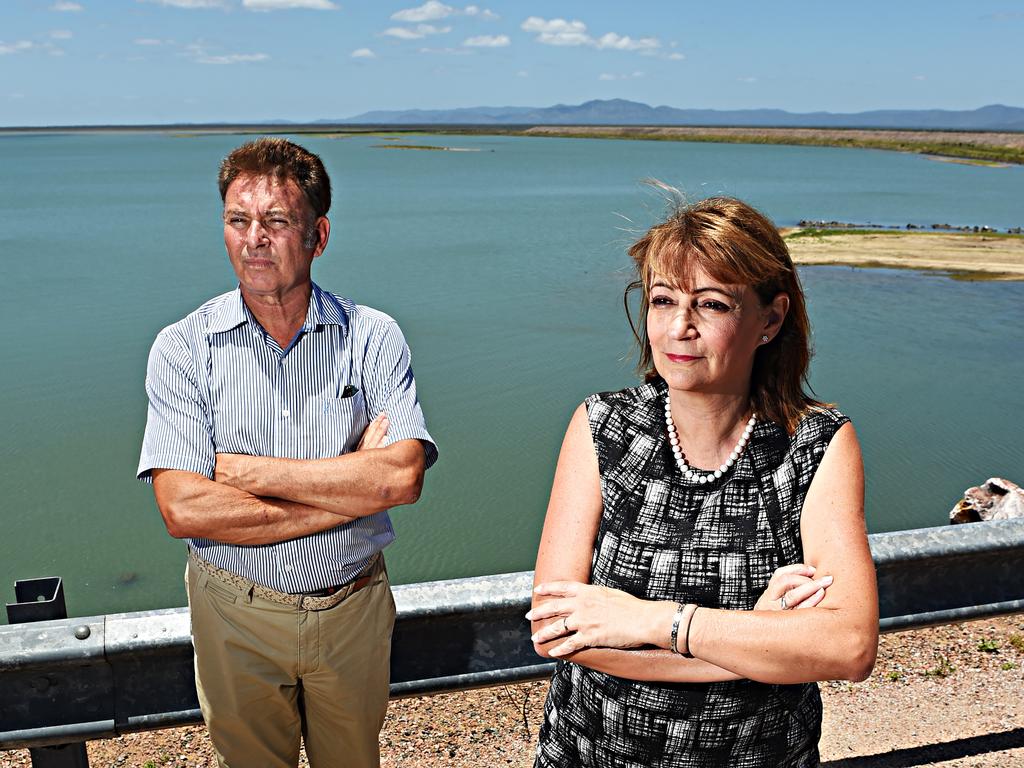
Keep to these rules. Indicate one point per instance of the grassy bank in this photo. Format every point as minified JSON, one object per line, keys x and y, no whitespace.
{"x":824,"y":232}
{"x":1007,"y":155}
{"x":990,"y":149}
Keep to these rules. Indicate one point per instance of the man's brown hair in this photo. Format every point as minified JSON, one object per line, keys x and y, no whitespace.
{"x":279,"y":159}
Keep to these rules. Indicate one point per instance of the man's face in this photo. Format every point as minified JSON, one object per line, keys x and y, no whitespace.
{"x":270,"y":235}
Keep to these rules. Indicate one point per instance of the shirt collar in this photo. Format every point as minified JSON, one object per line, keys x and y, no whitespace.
{"x":230,"y":314}
{"x":324,"y":309}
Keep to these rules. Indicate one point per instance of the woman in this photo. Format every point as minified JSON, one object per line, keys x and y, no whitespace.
{"x":690,"y":514}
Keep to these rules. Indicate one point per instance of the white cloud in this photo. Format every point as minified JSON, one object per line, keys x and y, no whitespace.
{"x":16,"y":96}
{"x":363,"y":53}
{"x":447,"y":51}
{"x":402,"y":33}
{"x":675,"y":57}
{"x":61,"y":34}
{"x":432,"y":10}
{"x":188,"y":3}
{"x":198,"y":53}
{"x":66,"y":6}
{"x":558,"y":31}
{"x":18,"y":47}
{"x":232,"y":58}
{"x":626,"y":43}
{"x":522,"y":73}
{"x":418,"y":32}
{"x":537,"y":24}
{"x":574,"y":33}
{"x":920,"y":77}
{"x":147,"y":41}
{"x":287,"y":5}
{"x":630,"y":76}
{"x":483,"y":13}
{"x":747,"y":79}
{"x":487,"y":41}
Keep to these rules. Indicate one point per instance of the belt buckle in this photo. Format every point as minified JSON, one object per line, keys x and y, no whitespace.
{"x":324,"y":592}
{"x":321,"y":594}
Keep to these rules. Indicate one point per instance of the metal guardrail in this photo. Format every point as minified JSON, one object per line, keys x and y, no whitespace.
{"x":97,"y":677}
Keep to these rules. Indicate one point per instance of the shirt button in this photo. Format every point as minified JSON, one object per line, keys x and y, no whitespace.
{"x":285,"y":413}
{"x":287,"y":567}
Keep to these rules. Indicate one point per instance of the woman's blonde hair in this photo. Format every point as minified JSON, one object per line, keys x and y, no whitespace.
{"x":732,"y":243}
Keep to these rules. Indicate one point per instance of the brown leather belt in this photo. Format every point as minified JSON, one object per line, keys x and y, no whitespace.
{"x":317,"y":600}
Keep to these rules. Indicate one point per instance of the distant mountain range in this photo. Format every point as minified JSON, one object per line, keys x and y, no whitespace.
{"x":995,"y":117}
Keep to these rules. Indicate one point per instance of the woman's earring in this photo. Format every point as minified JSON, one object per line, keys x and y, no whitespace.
{"x":764,"y":339}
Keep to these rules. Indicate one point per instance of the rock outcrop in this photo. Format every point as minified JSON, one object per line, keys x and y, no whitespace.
{"x":995,"y":499}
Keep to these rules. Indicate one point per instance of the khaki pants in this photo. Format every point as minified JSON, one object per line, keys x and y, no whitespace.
{"x":268,"y":673}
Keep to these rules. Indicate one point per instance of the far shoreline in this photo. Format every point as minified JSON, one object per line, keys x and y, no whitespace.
{"x":985,"y":148}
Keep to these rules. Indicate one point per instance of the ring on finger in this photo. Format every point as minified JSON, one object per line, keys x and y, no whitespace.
{"x":782,"y":601}
{"x":565,"y":625}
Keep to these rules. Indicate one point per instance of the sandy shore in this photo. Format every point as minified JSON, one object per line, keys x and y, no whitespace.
{"x":980,"y":257}
{"x":946,"y":696}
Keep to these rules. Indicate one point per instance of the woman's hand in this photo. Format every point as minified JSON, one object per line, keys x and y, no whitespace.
{"x":793,"y":586}
{"x":589,"y":616}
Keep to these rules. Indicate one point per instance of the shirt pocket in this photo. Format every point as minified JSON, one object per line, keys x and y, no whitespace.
{"x":336,"y":424}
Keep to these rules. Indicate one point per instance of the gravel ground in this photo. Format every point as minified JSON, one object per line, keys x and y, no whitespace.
{"x":946,"y":696}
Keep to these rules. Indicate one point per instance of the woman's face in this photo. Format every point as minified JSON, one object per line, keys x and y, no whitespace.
{"x":704,"y":339}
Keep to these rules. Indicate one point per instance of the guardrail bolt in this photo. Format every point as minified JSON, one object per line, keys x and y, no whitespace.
{"x":82,"y":632}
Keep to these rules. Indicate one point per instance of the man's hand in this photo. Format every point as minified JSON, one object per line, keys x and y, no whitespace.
{"x":375,"y":433}
{"x":370,"y":479}
{"x":239,"y":470}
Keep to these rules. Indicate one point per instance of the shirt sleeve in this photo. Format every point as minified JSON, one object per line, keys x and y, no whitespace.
{"x":179,"y":431}
{"x":392,"y":390}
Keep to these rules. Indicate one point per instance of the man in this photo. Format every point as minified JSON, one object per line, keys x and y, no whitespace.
{"x":283,"y":423}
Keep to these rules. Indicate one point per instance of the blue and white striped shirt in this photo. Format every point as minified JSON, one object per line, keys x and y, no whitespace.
{"x":219,"y":383}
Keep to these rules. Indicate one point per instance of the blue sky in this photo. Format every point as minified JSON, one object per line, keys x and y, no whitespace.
{"x":65,"y":62}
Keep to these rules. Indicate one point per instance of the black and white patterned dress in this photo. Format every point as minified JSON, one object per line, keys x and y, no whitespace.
{"x":715,"y":545}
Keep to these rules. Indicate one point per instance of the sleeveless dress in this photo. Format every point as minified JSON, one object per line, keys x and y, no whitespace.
{"x":715,"y":545}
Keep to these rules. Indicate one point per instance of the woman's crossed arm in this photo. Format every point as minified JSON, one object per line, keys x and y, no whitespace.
{"x":611,"y":631}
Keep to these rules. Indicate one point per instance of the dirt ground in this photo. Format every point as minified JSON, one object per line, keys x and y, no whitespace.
{"x":946,"y":696}
{"x":975,"y":256}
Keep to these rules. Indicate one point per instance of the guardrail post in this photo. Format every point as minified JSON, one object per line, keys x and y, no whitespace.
{"x":43,"y":600}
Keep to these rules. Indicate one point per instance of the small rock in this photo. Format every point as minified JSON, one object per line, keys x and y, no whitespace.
{"x":995,"y":499}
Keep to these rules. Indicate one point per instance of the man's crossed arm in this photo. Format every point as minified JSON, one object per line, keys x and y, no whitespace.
{"x":263,"y":500}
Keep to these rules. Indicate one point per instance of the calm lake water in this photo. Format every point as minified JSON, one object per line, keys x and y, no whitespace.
{"x":505,"y":268}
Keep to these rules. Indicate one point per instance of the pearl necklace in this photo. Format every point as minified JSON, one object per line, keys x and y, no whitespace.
{"x":692,"y":474}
